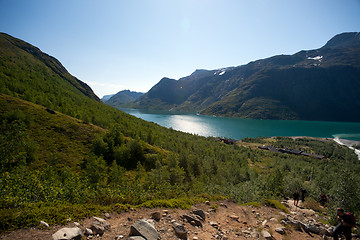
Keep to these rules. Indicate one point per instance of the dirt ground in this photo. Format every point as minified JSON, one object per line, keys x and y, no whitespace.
{"x":249,"y":224}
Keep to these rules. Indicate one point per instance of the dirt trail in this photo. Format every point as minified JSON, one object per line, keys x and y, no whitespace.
{"x":234,"y":222}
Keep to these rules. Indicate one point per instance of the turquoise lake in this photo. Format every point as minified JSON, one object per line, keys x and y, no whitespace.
{"x":239,"y":128}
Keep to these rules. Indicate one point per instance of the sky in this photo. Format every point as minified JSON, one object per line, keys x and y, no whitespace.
{"x":113,"y":45}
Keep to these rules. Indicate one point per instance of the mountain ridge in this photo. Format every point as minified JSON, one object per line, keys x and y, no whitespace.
{"x":122,"y":97}
{"x":241,"y":92}
{"x":50,"y":62}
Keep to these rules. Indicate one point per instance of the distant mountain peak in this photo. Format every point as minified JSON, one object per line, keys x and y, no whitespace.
{"x":344,"y":40}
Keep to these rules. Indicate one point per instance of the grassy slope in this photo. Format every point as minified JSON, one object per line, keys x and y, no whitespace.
{"x":70,"y":139}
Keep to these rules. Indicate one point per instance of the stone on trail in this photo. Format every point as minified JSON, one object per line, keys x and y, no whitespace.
{"x":266,"y":234}
{"x":234,"y":217}
{"x":180,"y":230}
{"x":280,"y":230}
{"x":135,"y":238}
{"x":199,"y":213}
{"x":45,"y":224}
{"x":88,"y":231}
{"x":192,"y":220}
{"x":156,"y":216}
{"x":99,"y":225}
{"x":214,"y":224}
{"x":144,"y":229}
{"x":68,"y":234}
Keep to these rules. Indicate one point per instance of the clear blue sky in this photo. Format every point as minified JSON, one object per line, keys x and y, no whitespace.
{"x":131,"y":44}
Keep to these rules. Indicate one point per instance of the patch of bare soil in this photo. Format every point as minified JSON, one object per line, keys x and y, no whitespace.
{"x":229,"y":221}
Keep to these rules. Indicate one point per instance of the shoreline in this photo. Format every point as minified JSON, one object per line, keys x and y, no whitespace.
{"x":349,"y":144}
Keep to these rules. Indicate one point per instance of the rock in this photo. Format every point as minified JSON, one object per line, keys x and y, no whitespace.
{"x":99,"y":225}
{"x":199,"y":213}
{"x":195,"y":238}
{"x":119,"y":237}
{"x":214,"y":224}
{"x":283,"y":214}
{"x":135,"y":238}
{"x":264,"y":223}
{"x":156,"y":216}
{"x":266,"y":234}
{"x":314,"y":229}
{"x":77,"y":224}
{"x":88,"y":231}
{"x":151,"y":221}
{"x":180,"y":230}
{"x":45,"y":224}
{"x":207,"y":203}
{"x":223,"y":205}
{"x":68,"y":233}
{"x":107,"y":215}
{"x":193,"y":221}
{"x":144,"y":229}
{"x":280,"y":230}
{"x":234,"y":217}
{"x":255,"y":234}
{"x":273,"y":220}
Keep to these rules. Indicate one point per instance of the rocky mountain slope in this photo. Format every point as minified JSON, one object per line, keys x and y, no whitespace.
{"x":321,"y":84}
{"x":122,"y":97}
{"x":225,"y":221}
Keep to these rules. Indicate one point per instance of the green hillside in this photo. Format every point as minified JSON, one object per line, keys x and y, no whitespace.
{"x":89,"y":157}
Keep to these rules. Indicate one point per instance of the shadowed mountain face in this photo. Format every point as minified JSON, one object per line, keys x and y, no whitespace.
{"x":321,"y":84}
{"x":122,"y":97}
{"x":24,"y":70}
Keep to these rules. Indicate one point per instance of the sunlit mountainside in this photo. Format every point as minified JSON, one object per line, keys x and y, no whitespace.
{"x":320,"y":84}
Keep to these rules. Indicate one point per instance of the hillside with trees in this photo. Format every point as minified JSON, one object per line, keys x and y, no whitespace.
{"x":64,"y":154}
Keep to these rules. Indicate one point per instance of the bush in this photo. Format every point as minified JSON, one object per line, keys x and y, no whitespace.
{"x":275,"y":204}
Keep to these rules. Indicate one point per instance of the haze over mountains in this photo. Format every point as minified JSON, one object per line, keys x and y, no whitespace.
{"x":121,"y":97}
{"x":320,"y":84}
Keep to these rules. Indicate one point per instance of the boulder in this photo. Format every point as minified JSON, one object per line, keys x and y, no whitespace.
{"x":88,"y":231}
{"x":144,"y":229}
{"x":180,"y":230}
{"x":266,"y":234}
{"x":99,"y":225}
{"x":192,"y":220}
{"x":199,"y":213}
{"x":280,"y":230}
{"x":68,"y":234}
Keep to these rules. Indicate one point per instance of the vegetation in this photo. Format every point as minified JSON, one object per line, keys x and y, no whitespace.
{"x":89,"y":157}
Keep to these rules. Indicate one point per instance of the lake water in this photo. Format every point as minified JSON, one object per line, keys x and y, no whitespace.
{"x":239,"y":128}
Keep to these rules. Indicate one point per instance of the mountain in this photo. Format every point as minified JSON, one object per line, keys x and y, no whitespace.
{"x":13,"y":49}
{"x":106,"y":97}
{"x":122,"y":97}
{"x":320,"y":84}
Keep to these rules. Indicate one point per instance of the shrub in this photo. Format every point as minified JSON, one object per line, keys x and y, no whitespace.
{"x":275,"y":204}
